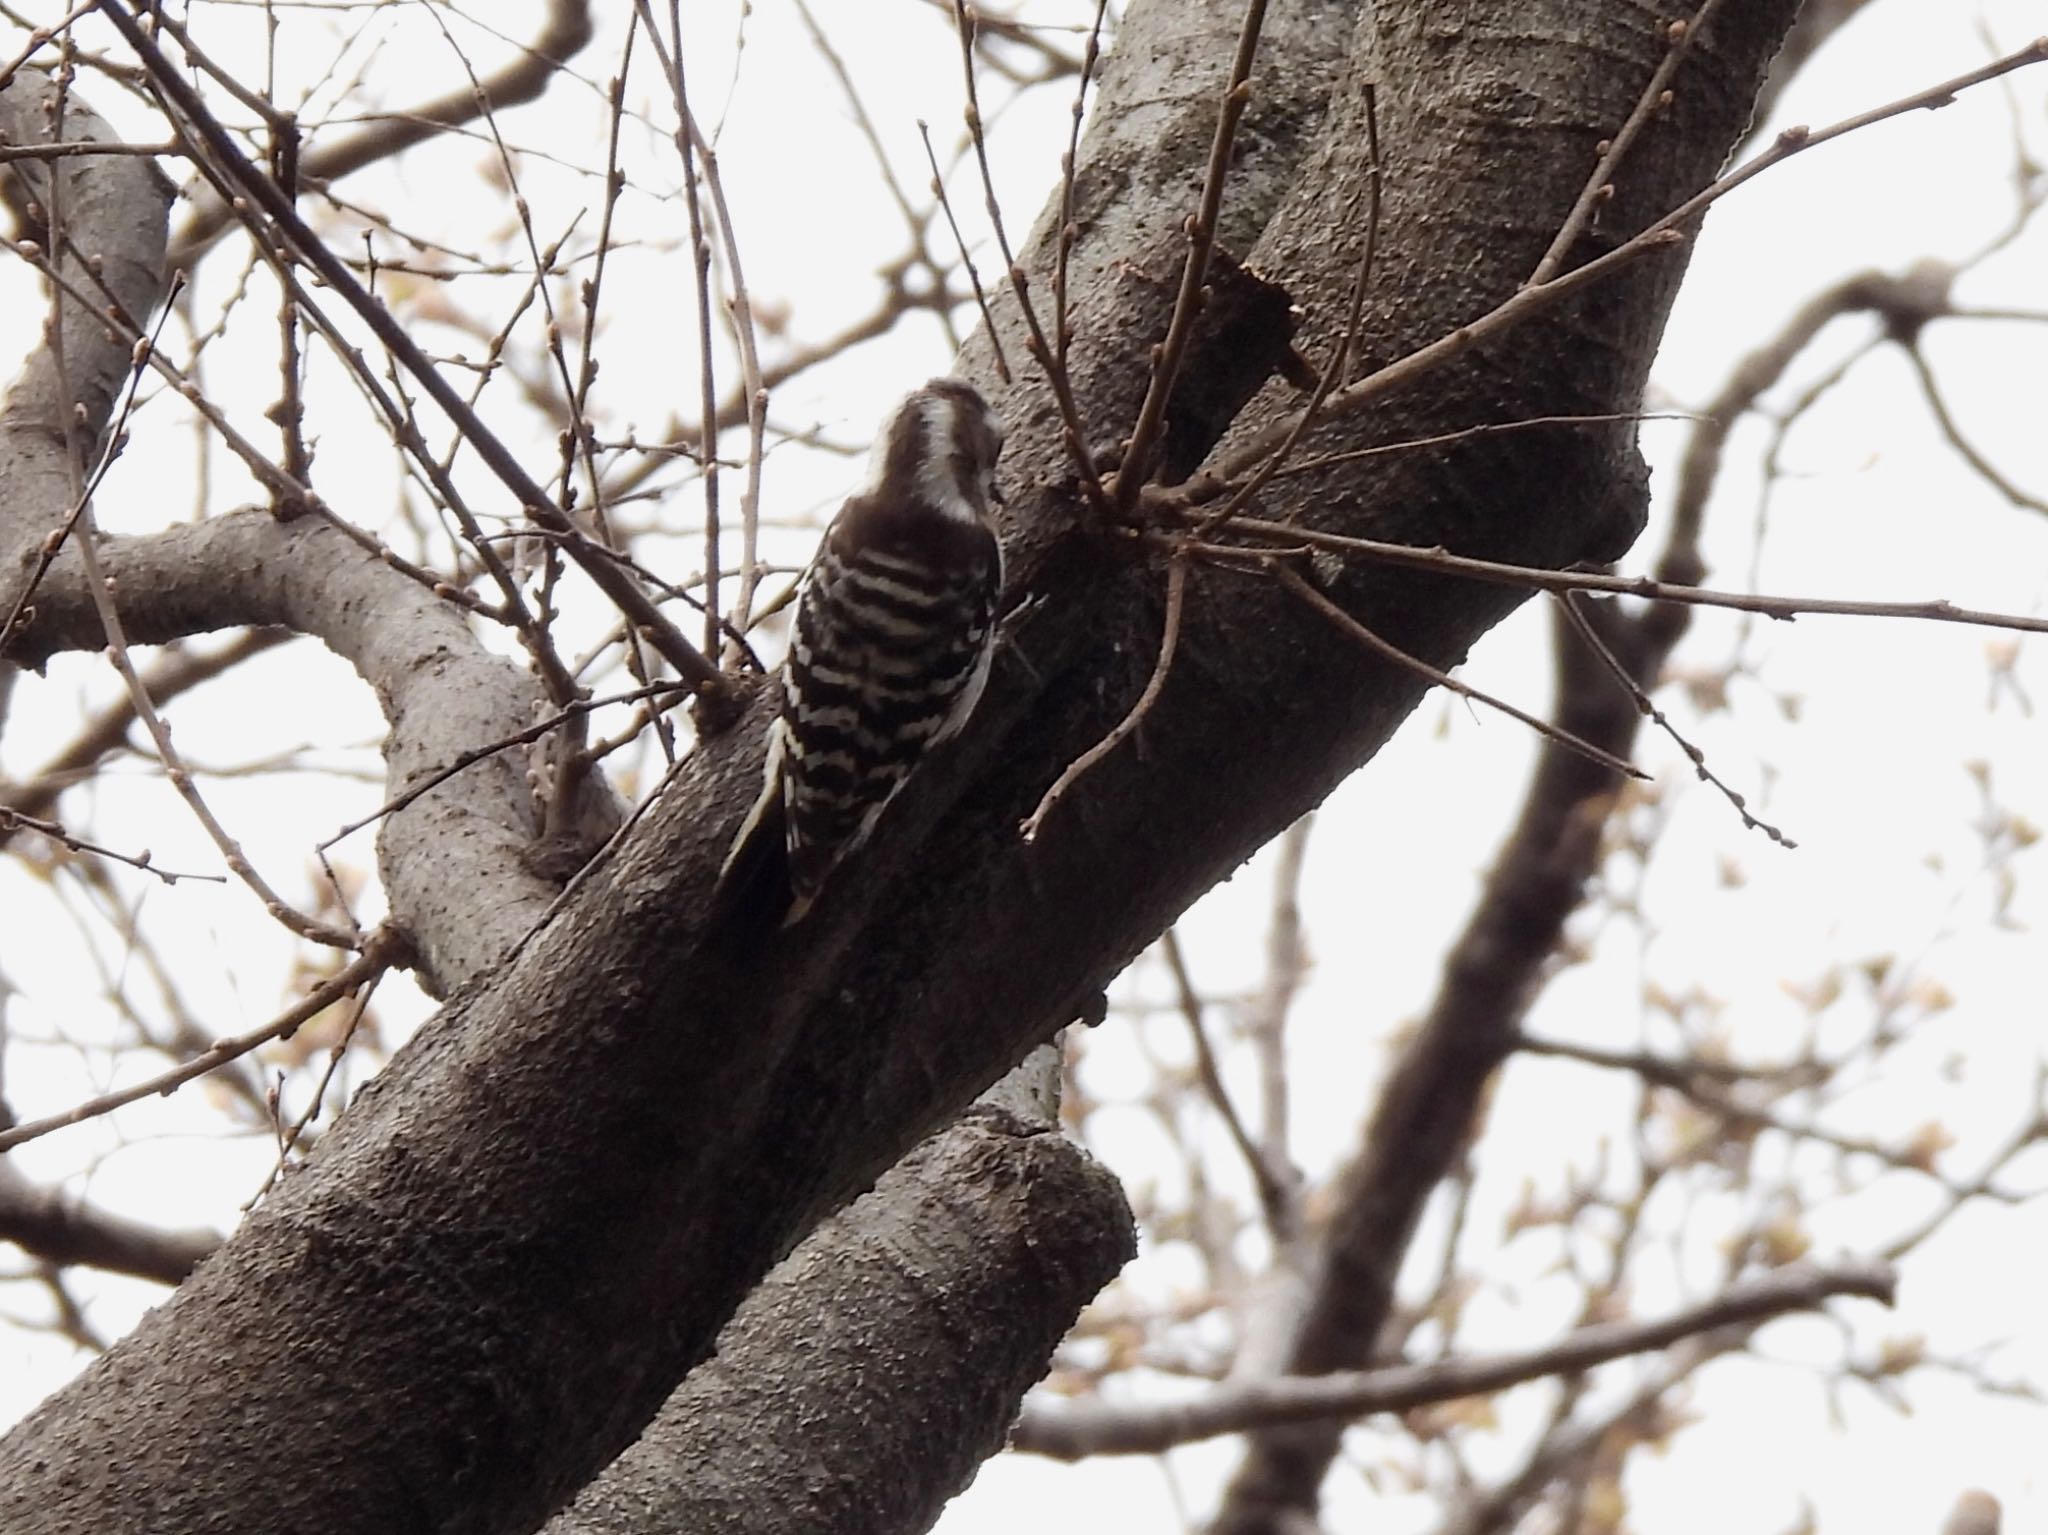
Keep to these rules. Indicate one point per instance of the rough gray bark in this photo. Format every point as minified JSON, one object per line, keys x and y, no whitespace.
{"x":865,"y":1380}
{"x":450,"y":860}
{"x":526,"y":1232}
{"x":113,"y":210}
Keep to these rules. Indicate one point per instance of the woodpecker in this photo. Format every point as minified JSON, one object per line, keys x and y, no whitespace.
{"x":891,"y":645}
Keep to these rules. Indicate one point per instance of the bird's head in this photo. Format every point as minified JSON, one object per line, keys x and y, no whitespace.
{"x":940,"y":447}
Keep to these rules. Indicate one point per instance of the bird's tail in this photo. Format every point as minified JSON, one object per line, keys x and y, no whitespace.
{"x":754,"y":894}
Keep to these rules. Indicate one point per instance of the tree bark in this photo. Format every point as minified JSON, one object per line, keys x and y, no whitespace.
{"x":524,"y":1234}
{"x":866,"y":1379}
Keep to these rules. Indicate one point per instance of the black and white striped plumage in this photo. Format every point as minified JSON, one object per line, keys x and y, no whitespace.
{"x":893,"y":634}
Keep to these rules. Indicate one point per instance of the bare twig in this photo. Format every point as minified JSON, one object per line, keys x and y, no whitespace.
{"x":564,"y":31}
{"x":1600,"y":185}
{"x":1340,"y":359}
{"x":1933,"y":610}
{"x":356,"y":1013}
{"x":382,"y":949}
{"x":755,"y":390}
{"x":1267,"y":1020}
{"x":1666,"y":233}
{"x":470,"y":758}
{"x":1590,"y":637}
{"x":1275,"y":1189}
{"x":988,"y":319}
{"x":700,"y":271}
{"x":1296,"y":583}
{"x":101,"y":592}
{"x":12,"y":821}
{"x":174,"y":674}
{"x":1136,"y":467}
{"x":1063,"y":247}
{"x":1075,"y":1432}
{"x":40,"y":38}
{"x":1169,"y":637}
{"x":1694,"y":1080}
{"x":1985,"y":470}
{"x":1042,"y":349}
{"x":314,"y":252}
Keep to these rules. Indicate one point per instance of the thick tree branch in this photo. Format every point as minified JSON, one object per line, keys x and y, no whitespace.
{"x":113,"y":208}
{"x":946,"y":1286}
{"x":451,"y":860}
{"x":537,"y":1220}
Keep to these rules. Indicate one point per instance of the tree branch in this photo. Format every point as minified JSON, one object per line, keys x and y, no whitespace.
{"x":1424,"y":1116}
{"x":1077,"y":1431}
{"x":114,"y":207}
{"x":564,"y":32}
{"x":947,"y":1285}
{"x":451,"y":861}
{"x":46,"y":1225}
{"x":500,"y":1262}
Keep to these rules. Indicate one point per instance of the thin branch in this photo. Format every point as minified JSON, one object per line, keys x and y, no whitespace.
{"x":988,"y":319}
{"x":1691,"y":1080}
{"x":1600,"y":185}
{"x":1666,"y":233}
{"x":741,"y":320}
{"x":101,"y":592}
{"x":692,"y":666}
{"x":1296,"y":583}
{"x":40,"y":38}
{"x":564,"y":32}
{"x":1201,"y":232}
{"x":1201,"y":488}
{"x":12,"y":820}
{"x":1967,"y":451}
{"x":700,"y":273}
{"x":1275,"y":1191}
{"x":470,"y":758}
{"x":1043,"y":351}
{"x":382,"y":949}
{"x":1590,"y":637}
{"x":1063,"y":247}
{"x":108,"y":731}
{"x":1410,"y":556}
{"x":1076,"y":1432}
{"x":1266,"y":1024}
{"x":356,"y":1014}
{"x":1340,"y":359}
{"x":1169,"y":638}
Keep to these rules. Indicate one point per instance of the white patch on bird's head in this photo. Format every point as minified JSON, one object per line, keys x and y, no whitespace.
{"x":939,"y":447}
